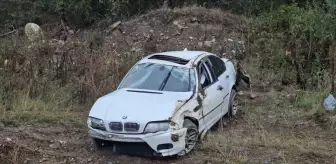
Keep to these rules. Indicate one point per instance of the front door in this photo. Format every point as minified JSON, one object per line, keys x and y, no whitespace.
{"x":213,"y":99}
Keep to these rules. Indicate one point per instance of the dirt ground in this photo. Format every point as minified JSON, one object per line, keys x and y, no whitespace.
{"x":268,"y":129}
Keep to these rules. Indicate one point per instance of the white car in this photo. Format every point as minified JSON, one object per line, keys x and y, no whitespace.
{"x":166,"y":103}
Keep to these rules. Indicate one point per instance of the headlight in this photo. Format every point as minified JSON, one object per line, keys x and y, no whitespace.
{"x":154,"y":127}
{"x":96,"y":123}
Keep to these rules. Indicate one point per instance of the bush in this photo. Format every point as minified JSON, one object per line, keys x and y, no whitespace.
{"x":299,"y":39}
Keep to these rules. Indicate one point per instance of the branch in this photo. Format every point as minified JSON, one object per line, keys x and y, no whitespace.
{"x":8,"y":33}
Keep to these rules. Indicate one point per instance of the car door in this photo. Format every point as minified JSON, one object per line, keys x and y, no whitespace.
{"x":213,"y":99}
{"x":223,"y":76}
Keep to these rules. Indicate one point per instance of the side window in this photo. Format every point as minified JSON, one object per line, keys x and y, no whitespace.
{"x":217,"y":65}
{"x":210,"y":67}
{"x":205,"y":79}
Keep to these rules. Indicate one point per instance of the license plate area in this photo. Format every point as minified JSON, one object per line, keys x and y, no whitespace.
{"x":122,"y":138}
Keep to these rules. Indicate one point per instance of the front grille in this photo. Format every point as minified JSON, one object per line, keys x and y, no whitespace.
{"x":131,"y":127}
{"x":116,"y":126}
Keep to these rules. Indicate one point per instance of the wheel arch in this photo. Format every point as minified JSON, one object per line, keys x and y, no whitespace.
{"x":192,"y":119}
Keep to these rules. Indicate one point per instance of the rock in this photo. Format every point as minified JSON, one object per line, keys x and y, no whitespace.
{"x":151,"y":31}
{"x":33,"y":32}
{"x":90,"y":160}
{"x":62,"y":142}
{"x":161,"y":34}
{"x":178,"y":25}
{"x":191,"y":38}
{"x":166,"y":37}
{"x":114,"y":26}
{"x":55,"y":145}
{"x":71,"y":32}
{"x":230,"y":40}
{"x":271,"y":116}
{"x":8,"y":140}
{"x":27,"y":160}
{"x":194,"y":19}
{"x":43,"y":160}
{"x":209,"y":43}
{"x":146,"y":35}
{"x":253,"y":95}
{"x":6,"y":62}
{"x":134,"y":49}
{"x":240,"y":93}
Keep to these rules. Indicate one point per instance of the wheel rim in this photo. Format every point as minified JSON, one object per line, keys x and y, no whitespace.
{"x":234,"y":102}
{"x":190,"y":139}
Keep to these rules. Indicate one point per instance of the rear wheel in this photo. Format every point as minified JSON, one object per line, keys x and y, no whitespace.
{"x":233,"y":105}
{"x":191,"y":137}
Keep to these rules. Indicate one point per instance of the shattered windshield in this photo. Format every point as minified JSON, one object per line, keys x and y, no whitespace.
{"x":153,"y":76}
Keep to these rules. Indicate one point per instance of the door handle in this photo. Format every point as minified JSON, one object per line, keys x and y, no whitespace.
{"x":219,"y":87}
{"x":227,"y":76}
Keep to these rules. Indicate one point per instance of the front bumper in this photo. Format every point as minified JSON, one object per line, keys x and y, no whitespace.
{"x":154,"y":140}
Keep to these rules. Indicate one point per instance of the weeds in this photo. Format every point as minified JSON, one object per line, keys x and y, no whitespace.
{"x":293,"y":139}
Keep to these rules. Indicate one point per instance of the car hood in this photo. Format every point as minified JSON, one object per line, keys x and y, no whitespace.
{"x":137,"y":105}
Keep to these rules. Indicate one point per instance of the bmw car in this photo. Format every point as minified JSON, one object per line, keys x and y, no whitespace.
{"x":165,"y":103}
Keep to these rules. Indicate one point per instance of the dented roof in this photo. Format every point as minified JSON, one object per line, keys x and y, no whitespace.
{"x":177,"y":58}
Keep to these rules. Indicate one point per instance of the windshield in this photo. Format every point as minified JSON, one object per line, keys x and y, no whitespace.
{"x":153,"y":76}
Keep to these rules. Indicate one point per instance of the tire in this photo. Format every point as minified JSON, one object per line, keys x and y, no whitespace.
{"x":191,"y":137}
{"x":233,"y":105}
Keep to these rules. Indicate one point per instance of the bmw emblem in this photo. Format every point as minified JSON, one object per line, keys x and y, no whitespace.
{"x":124,"y":117}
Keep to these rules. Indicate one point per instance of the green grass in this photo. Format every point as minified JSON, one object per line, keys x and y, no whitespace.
{"x":309,"y":100}
{"x":53,"y":108}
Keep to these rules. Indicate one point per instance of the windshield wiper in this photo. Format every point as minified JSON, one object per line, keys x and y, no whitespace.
{"x":165,"y":80}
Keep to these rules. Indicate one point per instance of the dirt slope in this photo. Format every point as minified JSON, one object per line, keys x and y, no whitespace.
{"x":194,"y":28}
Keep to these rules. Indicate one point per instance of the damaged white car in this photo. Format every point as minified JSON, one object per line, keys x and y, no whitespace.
{"x":166,"y":103}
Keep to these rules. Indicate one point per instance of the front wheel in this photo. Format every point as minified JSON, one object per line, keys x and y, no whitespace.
{"x":191,"y":137}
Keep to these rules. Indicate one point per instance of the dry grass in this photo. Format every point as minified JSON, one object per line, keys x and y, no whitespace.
{"x":275,"y":129}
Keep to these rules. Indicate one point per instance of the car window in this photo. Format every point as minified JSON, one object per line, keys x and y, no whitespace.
{"x":153,"y":76}
{"x":218,"y":65}
{"x":205,"y":79}
{"x":210,"y":67}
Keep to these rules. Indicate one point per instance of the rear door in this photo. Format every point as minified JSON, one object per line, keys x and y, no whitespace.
{"x":212,"y":102}
{"x":223,"y":76}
